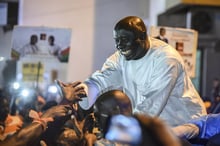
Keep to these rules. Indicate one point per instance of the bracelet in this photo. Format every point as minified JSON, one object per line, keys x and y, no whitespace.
{"x":37,"y":119}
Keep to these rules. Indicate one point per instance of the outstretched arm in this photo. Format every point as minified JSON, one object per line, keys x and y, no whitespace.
{"x":34,"y":130}
{"x":84,"y":93}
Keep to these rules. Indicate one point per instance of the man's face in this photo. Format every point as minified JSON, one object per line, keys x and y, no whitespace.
{"x":163,"y":32}
{"x":127,"y":44}
{"x":33,"y":40}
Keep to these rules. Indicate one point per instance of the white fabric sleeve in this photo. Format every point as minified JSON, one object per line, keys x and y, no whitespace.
{"x":92,"y":93}
{"x":187,"y":131}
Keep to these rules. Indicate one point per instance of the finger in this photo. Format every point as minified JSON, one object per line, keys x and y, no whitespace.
{"x":63,"y":85}
{"x":69,"y":109}
{"x":77,"y":98}
{"x":81,"y":95}
{"x":58,"y":82}
{"x":43,"y":143}
{"x":60,"y":113}
{"x":67,"y":106}
{"x":79,"y":89}
{"x":75,"y":107}
{"x":60,"y":109}
{"x":74,"y":84}
{"x":60,"y":88}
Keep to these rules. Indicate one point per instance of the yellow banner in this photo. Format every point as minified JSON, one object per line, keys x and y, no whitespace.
{"x":32,"y":72}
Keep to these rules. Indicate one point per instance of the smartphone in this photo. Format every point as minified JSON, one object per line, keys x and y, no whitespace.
{"x":124,"y":129}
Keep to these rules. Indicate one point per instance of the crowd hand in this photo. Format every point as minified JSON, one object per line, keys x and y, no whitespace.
{"x":89,"y":123}
{"x":50,"y":114}
{"x":58,"y":111}
{"x":89,"y":134}
{"x":12,"y":125}
{"x":43,"y":143}
{"x":71,"y":91}
{"x":91,"y":126}
{"x":90,"y":138}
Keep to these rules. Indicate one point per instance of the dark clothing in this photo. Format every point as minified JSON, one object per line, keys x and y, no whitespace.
{"x":162,"y":39}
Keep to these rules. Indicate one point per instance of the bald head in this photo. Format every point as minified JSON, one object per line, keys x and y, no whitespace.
{"x":133,"y":24}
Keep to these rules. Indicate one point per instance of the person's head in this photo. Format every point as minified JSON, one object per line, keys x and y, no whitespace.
{"x":130,"y":36}
{"x":111,"y":103}
{"x":33,"y":39}
{"x":68,"y":137}
{"x":51,"y":40}
{"x":162,"y":31}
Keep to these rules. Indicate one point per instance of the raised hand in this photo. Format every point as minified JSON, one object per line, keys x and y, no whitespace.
{"x":71,"y":91}
{"x":58,"y":111}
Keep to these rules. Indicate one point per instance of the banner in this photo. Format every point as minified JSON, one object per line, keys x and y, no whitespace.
{"x":183,"y":40}
{"x":41,"y":41}
{"x":32,"y":72}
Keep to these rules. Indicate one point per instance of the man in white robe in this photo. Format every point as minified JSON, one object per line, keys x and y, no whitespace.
{"x":150,"y":72}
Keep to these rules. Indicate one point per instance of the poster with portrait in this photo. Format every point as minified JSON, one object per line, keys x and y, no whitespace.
{"x":183,"y":40}
{"x":41,"y":41}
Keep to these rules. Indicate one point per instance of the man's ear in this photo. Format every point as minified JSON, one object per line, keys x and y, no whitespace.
{"x":139,"y":42}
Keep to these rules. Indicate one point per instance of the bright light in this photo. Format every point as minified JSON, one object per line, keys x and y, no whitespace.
{"x":16,"y":85}
{"x":52,"y":89}
{"x":2,"y":58}
{"x":24,"y":92}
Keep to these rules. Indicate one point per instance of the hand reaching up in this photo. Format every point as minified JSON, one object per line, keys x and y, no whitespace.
{"x":71,"y":91}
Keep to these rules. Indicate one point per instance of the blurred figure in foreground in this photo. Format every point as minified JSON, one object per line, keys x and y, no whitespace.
{"x":140,"y":130}
{"x":9,"y":124}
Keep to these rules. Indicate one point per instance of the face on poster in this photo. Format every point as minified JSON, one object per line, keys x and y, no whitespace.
{"x":183,"y":40}
{"x":41,"y":41}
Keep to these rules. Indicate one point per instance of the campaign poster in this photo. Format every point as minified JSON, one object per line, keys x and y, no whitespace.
{"x":41,"y":41}
{"x":183,"y":40}
{"x":32,"y":71}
